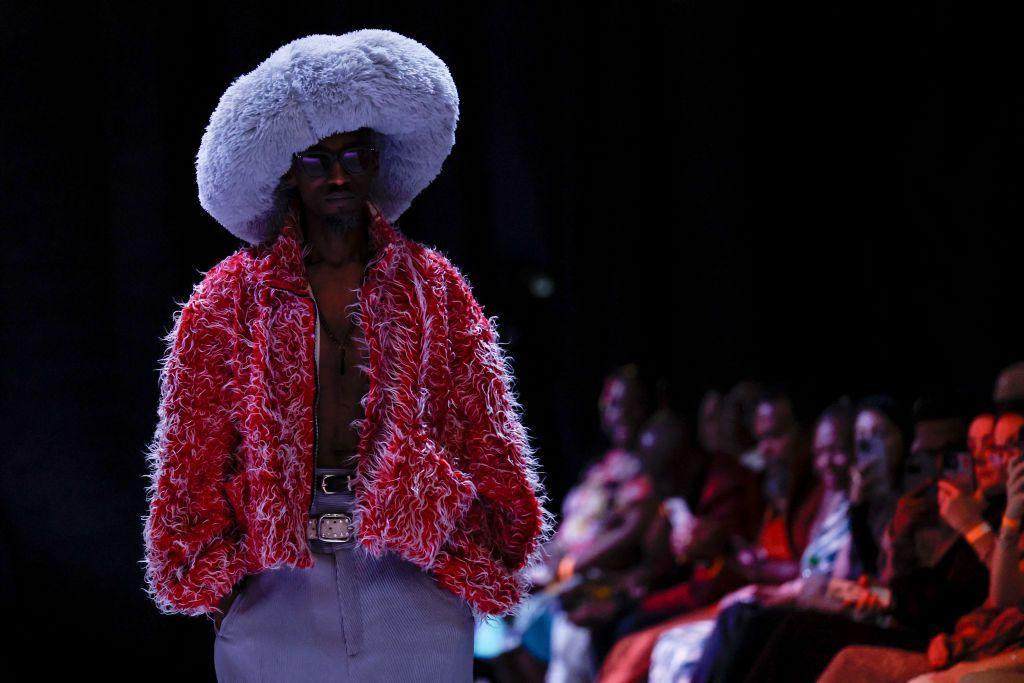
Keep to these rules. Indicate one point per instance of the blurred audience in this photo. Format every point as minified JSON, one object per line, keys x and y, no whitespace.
{"x":882,"y":545}
{"x":986,"y":642}
{"x":791,"y":497}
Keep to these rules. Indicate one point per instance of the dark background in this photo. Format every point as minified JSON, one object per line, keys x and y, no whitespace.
{"x":824,"y":193}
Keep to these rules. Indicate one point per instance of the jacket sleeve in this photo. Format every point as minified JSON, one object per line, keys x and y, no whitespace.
{"x":496,"y":451}
{"x":190,"y":535}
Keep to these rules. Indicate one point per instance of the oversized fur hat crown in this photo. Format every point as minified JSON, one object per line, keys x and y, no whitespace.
{"x":310,"y":89}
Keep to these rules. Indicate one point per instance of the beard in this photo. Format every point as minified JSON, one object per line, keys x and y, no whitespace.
{"x":341,"y":223}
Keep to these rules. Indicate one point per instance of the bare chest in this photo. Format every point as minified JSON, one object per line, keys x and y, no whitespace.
{"x":341,"y":383}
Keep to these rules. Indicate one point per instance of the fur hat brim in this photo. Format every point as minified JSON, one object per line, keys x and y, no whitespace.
{"x":310,"y":89}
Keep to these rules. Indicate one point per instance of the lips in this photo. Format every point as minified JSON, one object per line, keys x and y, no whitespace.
{"x":341,"y":197}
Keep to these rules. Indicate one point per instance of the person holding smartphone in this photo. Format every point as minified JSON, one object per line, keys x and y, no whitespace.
{"x":986,"y":640}
{"x":876,"y":477}
{"x":1006,"y":588}
{"x":961,"y":505}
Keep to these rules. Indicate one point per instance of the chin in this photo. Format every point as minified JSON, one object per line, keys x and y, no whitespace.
{"x":331,"y":209}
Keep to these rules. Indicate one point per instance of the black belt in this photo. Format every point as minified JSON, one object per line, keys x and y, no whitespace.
{"x":335,"y":482}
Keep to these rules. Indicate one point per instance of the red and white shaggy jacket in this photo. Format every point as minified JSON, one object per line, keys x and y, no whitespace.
{"x":446,"y":476}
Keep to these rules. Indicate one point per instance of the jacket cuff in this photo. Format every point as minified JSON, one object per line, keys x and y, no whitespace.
{"x":199,"y":588}
{"x":418,"y":499}
{"x":460,"y":573}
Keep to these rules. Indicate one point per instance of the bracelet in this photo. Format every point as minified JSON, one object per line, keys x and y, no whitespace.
{"x":1010,"y":524}
{"x":566,"y":566}
{"x":977,"y":532}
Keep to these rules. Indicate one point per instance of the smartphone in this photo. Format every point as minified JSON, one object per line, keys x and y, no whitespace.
{"x":870,"y":453}
{"x":958,"y":469}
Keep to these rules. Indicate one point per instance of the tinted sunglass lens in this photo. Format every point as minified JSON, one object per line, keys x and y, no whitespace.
{"x":357,"y":160}
{"x":313,"y":164}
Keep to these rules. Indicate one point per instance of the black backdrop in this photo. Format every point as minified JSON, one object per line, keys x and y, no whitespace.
{"x":826,"y":193}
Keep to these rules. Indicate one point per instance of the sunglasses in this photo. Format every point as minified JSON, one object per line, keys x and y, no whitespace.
{"x":354,"y":161}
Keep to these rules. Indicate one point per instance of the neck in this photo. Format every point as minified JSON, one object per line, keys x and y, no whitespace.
{"x":336,"y":240}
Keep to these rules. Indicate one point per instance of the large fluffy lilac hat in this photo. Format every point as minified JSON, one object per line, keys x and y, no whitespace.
{"x":310,"y":89}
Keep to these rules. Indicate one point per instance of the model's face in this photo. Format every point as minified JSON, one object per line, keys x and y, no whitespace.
{"x":338,"y":192}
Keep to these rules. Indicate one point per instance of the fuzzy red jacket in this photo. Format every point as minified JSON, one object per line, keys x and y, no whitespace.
{"x":446,"y":475}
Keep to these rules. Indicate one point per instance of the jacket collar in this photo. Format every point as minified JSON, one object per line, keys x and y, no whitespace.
{"x":280,"y":263}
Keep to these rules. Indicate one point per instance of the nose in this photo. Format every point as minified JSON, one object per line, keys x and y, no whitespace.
{"x":336,"y":173}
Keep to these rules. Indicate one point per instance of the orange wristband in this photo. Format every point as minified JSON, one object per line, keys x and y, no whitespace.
{"x":977,"y":532}
{"x":1011,"y":523}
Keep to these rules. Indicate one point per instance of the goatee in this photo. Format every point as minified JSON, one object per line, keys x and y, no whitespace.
{"x":341,"y":223}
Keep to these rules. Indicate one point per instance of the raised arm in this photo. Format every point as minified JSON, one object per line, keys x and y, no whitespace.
{"x":963,"y":513}
{"x":1006,"y":582}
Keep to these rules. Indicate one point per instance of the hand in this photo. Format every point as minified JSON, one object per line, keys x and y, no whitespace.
{"x":960,"y":511}
{"x":911,"y":512}
{"x":868,"y":604}
{"x":938,"y":652}
{"x":750,"y":561}
{"x":745,"y":594}
{"x":680,"y":538}
{"x":1015,"y":489}
{"x":781,"y":595}
{"x":857,"y":485}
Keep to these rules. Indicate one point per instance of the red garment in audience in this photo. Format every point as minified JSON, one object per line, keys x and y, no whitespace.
{"x":985,"y":632}
{"x":784,"y":536}
{"x":696,"y":599}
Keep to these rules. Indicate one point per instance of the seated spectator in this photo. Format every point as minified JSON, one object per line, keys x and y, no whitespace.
{"x":726,"y":424}
{"x":941,"y":547}
{"x":827,"y":554}
{"x":793,"y":499}
{"x":989,"y":639}
{"x":605,"y":518}
{"x":876,"y":478}
{"x":930,"y":588}
{"x":790,"y":490}
{"x":708,"y":502}
{"x":710,"y":437}
{"x":519,"y":648}
{"x":738,"y":408}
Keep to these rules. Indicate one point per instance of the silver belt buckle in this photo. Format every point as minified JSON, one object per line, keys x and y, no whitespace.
{"x":339,"y":527}
{"x":325,"y":477}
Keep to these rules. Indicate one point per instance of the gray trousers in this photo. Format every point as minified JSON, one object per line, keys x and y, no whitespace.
{"x":349,"y":618}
